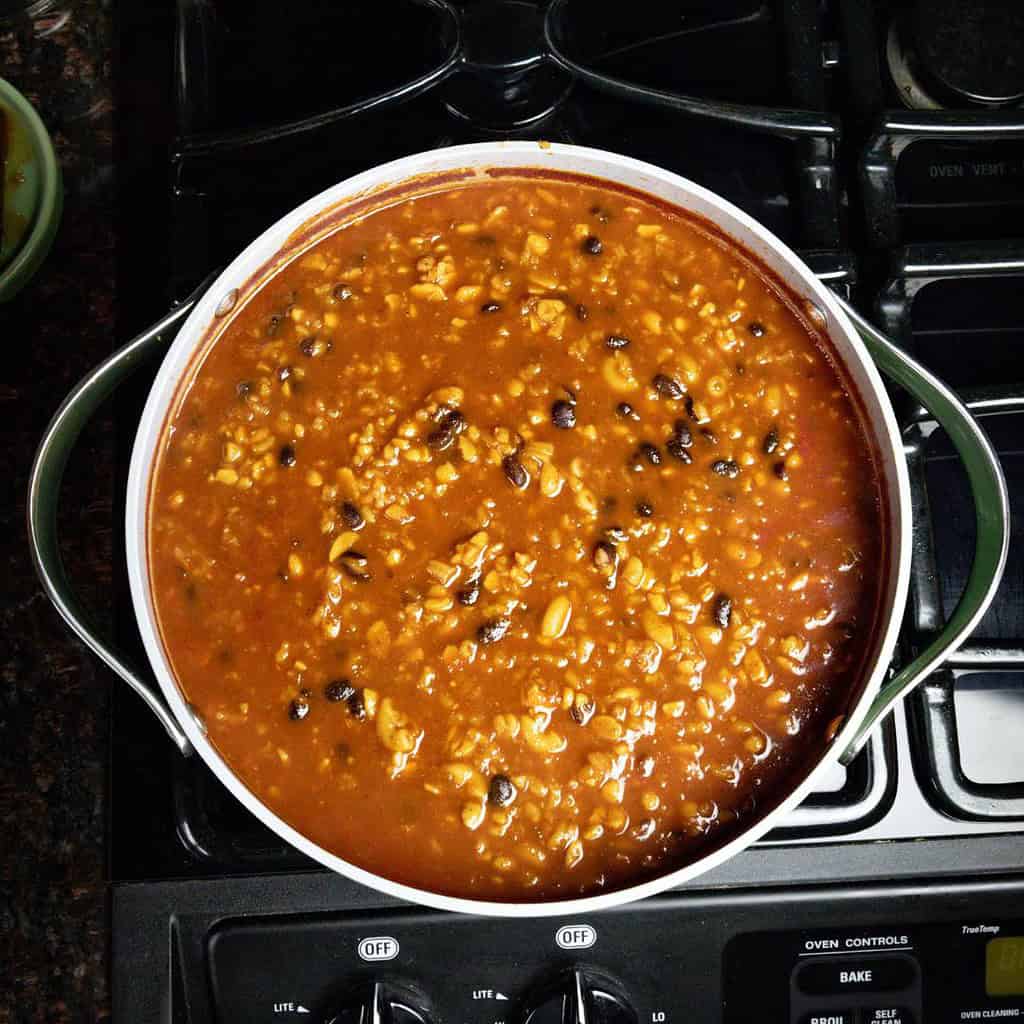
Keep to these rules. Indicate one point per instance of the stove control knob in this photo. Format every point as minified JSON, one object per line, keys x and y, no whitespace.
{"x":581,"y":996}
{"x":382,"y":1003}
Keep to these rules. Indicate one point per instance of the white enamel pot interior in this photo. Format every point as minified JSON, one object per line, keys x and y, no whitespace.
{"x":322,"y":214}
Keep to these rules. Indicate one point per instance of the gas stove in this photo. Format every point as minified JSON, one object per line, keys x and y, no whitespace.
{"x":885,"y":143}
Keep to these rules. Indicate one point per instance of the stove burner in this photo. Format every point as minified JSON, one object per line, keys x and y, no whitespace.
{"x":506,"y":79}
{"x":946,"y":53}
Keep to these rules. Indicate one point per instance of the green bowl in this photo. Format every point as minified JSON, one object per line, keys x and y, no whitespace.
{"x":32,"y":192}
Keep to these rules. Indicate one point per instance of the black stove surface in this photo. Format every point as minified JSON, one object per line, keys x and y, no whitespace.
{"x":902,"y":191}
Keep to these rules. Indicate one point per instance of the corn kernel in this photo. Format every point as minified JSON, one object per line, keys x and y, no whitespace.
{"x":556,"y":618}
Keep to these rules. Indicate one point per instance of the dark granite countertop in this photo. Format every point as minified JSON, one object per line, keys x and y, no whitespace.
{"x":54,"y":696}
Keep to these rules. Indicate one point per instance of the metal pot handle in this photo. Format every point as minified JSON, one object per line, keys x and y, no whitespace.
{"x":44,"y":492}
{"x":991,"y":509}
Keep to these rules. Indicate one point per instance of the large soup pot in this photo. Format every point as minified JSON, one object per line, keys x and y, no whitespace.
{"x":856,"y":345}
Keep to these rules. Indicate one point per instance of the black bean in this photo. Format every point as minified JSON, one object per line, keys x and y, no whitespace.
{"x":283,"y":373}
{"x":626,"y":411}
{"x":243,"y":389}
{"x":688,"y":406}
{"x":490,"y":307}
{"x":771,"y":441}
{"x":298,"y":709}
{"x":356,"y":703}
{"x":493,"y":630}
{"x":709,"y":435}
{"x":273,"y":324}
{"x":756,"y":328}
{"x":354,"y":564}
{"x":592,"y":245}
{"x":601,"y":214}
{"x":501,"y":792}
{"x":725,"y":467}
{"x":469,"y":594}
{"x":342,"y":292}
{"x":582,"y":713}
{"x":644,"y":509}
{"x":441,"y":439}
{"x":582,"y":313}
{"x":616,"y":341}
{"x":563,"y":414}
{"x":681,"y":432}
{"x":351,"y":516}
{"x":454,"y":420}
{"x":339,"y":690}
{"x":616,"y":534}
{"x":286,"y":456}
{"x":721,"y":611}
{"x":650,"y":453}
{"x":667,"y":387}
{"x":675,"y":447}
{"x":314,"y":346}
{"x":779,"y":469}
{"x":515,"y":472}
{"x":360,"y":571}
{"x":605,"y":556}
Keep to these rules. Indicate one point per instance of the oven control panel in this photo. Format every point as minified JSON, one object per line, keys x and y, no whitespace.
{"x":670,"y":960}
{"x":902,"y":974}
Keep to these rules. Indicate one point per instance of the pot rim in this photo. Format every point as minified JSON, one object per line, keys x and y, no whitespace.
{"x":256,"y":264}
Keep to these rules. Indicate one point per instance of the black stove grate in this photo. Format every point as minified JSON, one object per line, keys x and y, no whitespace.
{"x":940,"y":174}
{"x":487,"y":70}
{"x":956,"y":307}
{"x":937,"y":162}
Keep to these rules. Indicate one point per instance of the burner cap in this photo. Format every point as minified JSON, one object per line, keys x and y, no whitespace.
{"x":503,"y":35}
{"x":506,"y":80}
{"x":971,"y":51}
